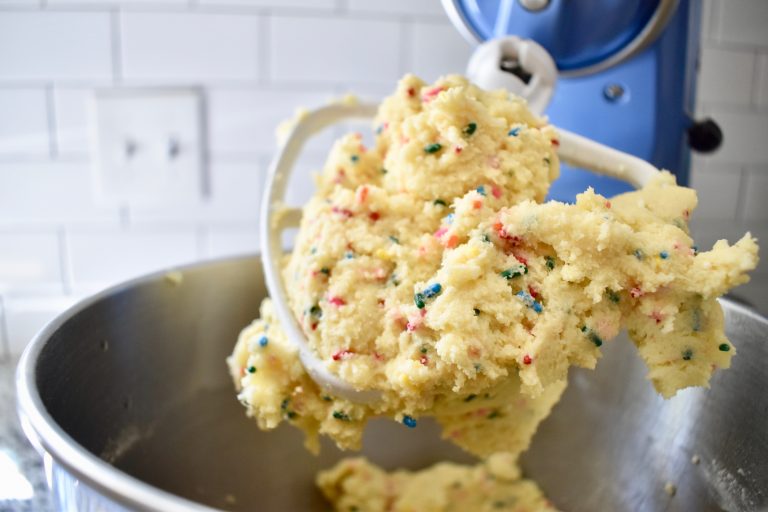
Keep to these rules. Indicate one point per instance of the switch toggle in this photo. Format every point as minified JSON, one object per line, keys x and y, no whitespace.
{"x":147,"y":146}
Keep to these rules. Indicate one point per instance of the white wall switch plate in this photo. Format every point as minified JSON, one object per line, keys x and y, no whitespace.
{"x":147,"y":146}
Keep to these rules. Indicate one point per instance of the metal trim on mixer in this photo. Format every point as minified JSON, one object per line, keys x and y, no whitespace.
{"x":646,"y":37}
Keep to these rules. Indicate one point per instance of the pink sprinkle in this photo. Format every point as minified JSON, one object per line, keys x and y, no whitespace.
{"x":422,"y":250}
{"x":493,"y":162}
{"x":496,"y":191}
{"x":410,"y":327}
{"x":430,"y":94}
{"x":424,"y":360}
{"x":656,"y":315}
{"x":440,"y":232}
{"x":337,"y":301}
{"x":362,"y":195}
{"x":362,"y":148}
{"x":344,"y":212}
{"x":636,"y":292}
{"x":404,"y":140}
{"x":343,"y":354}
{"x":358,"y":135}
{"x":423,"y":312}
{"x":473,"y":352}
{"x":527,"y":359}
{"x":378,"y":356}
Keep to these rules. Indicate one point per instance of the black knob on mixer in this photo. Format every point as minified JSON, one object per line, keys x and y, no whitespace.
{"x":705,"y":136}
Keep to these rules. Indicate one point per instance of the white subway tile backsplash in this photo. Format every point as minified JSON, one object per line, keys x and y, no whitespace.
{"x":403,"y":7}
{"x":107,"y":257}
{"x":184,"y":47}
{"x":333,"y":50}
{"x":743,"y":22}
{"x":25,"y":317}
{"x":756,"y":196}
{"x":244,"y":121}
{"x":55,"y":46}
{"x":438,"y":49}
{"x":312,"y":4}
{"x":71,"y":116}
{"x":234,"y":196}
{"x":50,"y":193}
{"x":229,"y":241}
{"x":23,"y":121}
{"x":30,"y":261}
{"x":726,"y":76}
{"x":718,"y":192}
{"x":744,"y":136}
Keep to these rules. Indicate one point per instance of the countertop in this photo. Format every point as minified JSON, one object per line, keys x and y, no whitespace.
{"x":22,"y":477}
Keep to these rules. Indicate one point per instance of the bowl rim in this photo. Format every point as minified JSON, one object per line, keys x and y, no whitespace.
{"x":45,"y":434}
{"x":49,"y":438}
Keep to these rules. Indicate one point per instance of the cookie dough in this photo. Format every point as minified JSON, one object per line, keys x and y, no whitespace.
{"x":495,"y":485}
{"x":427,"y":267}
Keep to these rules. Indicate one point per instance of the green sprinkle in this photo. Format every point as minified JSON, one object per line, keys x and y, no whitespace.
{"x":439,"y":202}
{"x":315,"y":311}
{"x":470,"y":397}
{"x":613,"y":296}
{"x":512,"y":273}
{"x":327,"y":398}
{"x":291,"y":415}
{"x":284,"y":403}
{"x":546,"y":161}
{"x":418,"y":299}
{"x":639,"y":254}
{"x":325,"y":270}
{"x":478,"y":367}
{"x":394,"y":239}
{"x":251,"y":369}
{"x":594,"y":338}
{"x":341,"y":416}
{"x":470,"y":128}
{"x":384,"y":171}
{"x":687,"y":354}
{"x":476,"y":311}
{"x":433,"y":148}
{"x":354,"y":158}
{"x":583,"y":328}
{"x":724,"y":347}
{"x":550,"y":262}
{"x":486,"y":238}
{"x":423,"y":350}
{"x":499,"y":504}
{"x":494,"y":414}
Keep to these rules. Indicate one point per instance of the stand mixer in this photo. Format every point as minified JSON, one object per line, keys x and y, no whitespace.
{"x":625,"y":73}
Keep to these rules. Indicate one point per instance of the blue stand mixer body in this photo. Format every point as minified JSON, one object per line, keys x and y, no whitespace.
{"x":650,"y":118}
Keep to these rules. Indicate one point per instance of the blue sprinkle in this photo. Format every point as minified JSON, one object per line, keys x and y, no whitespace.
{"x":355,"y":158}
{"x":695,"y":249}
{"x":432,"y":291}
{"x":313,"y":250}
{"x":639,"y":254}
{"x":448,"y":218}
{"x":349,"y":255}
{"x":409,"y":421}
{"x":530,"y":301}
{"x":481,"y":190}
{"x":379,"y":129}
{"x":263,"y":341}
{"x":664,"y":255}
{"x":514,"y":132}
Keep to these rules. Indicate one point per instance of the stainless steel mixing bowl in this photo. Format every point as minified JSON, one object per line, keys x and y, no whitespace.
{"x":128,"y":397}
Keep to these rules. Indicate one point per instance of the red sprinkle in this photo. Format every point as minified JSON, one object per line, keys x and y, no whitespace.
{"x":374,"y":216}
{"x":458,"y":149}
{"x":424,"y":360}
{"x":527,"y":359}
{"x":607,"y":204}
{"x":636,"y":292}
{"x":452,"y":241}
{"x":555,"y":142}
{"x":656,"y":315}
{"x":314,"y":326}
{"x":411,"y":92}
{"x":521,"y":259}
{"x":342,"y":354}
{"x":337,"y":301}
{"x":534,"y":293}
{"x":496,"y":191}
{"x":686,"y":214}
{"x":477,"y":204}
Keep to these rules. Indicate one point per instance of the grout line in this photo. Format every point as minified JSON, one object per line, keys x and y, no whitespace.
{"x":117,"y":47}
{"x":65,"y":261}
{"x":53,"y":139}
